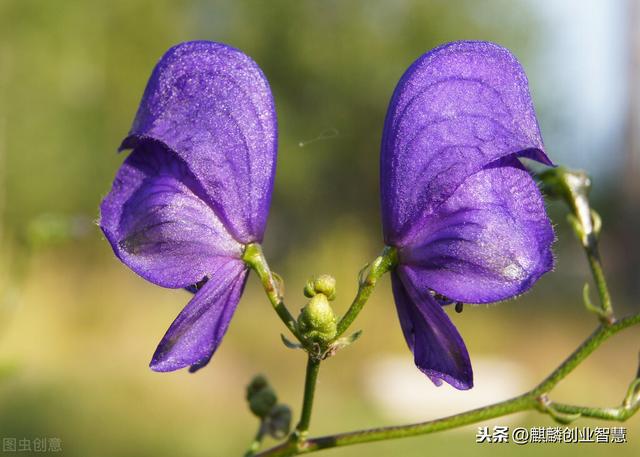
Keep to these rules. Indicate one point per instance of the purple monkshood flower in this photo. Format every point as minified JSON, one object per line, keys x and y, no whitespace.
{"x":466,"y":218}
{"x":195,"y":189}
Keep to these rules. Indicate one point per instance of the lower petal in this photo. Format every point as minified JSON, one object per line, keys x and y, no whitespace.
{"x":437,"y":347}
{"x":198,"y":330}
{"x":490,"y":241}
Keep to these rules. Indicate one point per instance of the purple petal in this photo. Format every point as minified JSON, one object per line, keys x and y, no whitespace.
{"x":491,"y":240}
{"x":437,"y":347}
{"x":198,"y":330}
{"x":456,"y":109}
{"x":158,"y":223}
{"x":212,"y":105}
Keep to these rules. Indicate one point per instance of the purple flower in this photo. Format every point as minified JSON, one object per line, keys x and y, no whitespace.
{"x":196,"y":189}
{"x":466,"y":218}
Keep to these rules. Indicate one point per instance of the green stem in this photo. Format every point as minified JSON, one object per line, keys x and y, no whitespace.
{"x":586,"y":232}
{"x":257,"y":441}
{"x":528,"y":401}
{"x":619,"y":414}
{"x":402,"y":431}
{"x":573,"y":187}
{"x":254,"y":257}
{"x":601,"y":334}
{"x":381,"y":265}
{"x":601,"y":283}
{"x":313,"y":366}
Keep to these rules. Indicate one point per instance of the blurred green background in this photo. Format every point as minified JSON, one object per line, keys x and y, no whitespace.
{"x":77,"y":328}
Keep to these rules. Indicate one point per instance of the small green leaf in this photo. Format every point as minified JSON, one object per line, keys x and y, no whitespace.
{"x":290,"y":344}
{"x":341,"y":343}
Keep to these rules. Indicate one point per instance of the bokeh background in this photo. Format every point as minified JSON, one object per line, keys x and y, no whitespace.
{"x":77,"y":328}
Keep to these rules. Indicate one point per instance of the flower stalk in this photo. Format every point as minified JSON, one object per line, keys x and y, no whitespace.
{"x":254,"y":258}
{"x":573,"y":188}
{"x":313,"y":367}
{"x":257,"y":441}
{"x":385,"y":262}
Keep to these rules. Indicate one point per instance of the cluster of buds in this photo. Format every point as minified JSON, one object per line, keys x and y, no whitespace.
{"x":317,"y":321}
{"x":263,"y":403}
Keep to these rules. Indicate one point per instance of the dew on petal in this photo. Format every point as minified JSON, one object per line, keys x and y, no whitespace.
{"x":513,"y":272}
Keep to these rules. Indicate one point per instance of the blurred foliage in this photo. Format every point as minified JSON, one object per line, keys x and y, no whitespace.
{"x":77,"y":328}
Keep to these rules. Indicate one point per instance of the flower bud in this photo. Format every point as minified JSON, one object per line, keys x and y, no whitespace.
{"x":258,"y":383}
{"x":317,"y":322}
{"x":278,"y":422}
{"x":263,"y":401}
{"x":321,"y":284}
{"x":261,"y":397}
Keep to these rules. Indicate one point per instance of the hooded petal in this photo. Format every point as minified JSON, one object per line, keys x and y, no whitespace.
{"x":456,"y":109}
{"x":198,"y":330}
{"x":212,"y":106}
{"x":491,"y":240}
{"x":437,"y":347}
{"x":158,"y":223}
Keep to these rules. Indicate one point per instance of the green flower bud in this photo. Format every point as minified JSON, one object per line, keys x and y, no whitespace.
{"x":258,"y":383}
{"x":322,"y":284}
{"x":317,"y":322}
{"x":278,"y":422}
{"x":261,"y":397}
{"x":309,"y":290}
{"x":263,"y":401}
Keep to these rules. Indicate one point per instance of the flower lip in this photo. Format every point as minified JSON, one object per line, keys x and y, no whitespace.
{"x":439,"y":351}
{"x":196,"y":333}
